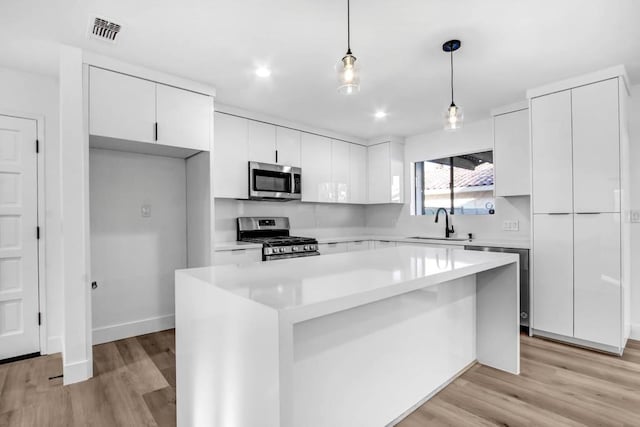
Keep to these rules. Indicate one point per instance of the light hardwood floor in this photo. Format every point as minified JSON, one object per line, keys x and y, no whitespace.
{"x":134,"y":385}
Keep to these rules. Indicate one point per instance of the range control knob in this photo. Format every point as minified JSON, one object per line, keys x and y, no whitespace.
{"x":276,"y":250}
{"x":294,"y":249}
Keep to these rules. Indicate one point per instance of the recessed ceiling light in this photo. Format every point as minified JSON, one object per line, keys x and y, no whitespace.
{"x":380,"y":114}
{"x":263,"y":72}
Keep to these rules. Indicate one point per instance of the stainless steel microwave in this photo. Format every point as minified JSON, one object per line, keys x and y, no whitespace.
{"x":274,"y":182}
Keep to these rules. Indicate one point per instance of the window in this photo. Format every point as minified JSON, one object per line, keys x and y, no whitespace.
{"x":461,"y":184}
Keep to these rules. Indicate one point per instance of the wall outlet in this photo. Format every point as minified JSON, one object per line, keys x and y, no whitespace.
{"x":511,"y":225}
{"x":635,"y":215}
{"x":145,"y":211}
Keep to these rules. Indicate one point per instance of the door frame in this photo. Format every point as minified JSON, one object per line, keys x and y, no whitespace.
{"x":41,"y":216}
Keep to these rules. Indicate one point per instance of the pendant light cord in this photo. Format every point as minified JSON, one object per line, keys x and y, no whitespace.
{"x":348,"y":28}
{"x":451,"y":51}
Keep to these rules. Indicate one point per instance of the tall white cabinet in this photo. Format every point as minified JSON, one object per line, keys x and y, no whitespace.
{"x":580,"y":210}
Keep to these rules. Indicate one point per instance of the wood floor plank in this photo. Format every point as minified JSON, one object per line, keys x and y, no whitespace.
{"x":447,"y":414}
{"x":145,"y":375}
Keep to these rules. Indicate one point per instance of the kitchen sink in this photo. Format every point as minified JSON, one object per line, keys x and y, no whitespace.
{"x":451,"y":239}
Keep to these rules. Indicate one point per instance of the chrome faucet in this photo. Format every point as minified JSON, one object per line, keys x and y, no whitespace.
{"x":447,"y":231}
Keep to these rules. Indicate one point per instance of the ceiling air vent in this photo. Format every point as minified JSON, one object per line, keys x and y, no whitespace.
{"x":103,"y":29}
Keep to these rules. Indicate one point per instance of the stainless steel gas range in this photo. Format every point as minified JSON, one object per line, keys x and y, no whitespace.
{"x":273,"y":234}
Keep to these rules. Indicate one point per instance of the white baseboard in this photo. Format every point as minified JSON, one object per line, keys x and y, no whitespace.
{"x":132,"y":329}
{"x":54,"y":345}
{"x":77,"y":371}
{"x":635,"y":331}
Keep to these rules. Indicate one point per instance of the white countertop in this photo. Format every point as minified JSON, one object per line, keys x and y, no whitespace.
{"x":517,"y":244}
{"x":306,"y":288}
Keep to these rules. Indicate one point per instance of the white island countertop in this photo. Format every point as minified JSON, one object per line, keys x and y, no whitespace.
{"x":306,"y":288}
{"x":369,"y":334}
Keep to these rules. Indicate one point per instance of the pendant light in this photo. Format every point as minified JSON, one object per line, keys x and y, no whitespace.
{"x":348,"y":72}
{"x":453,"y":116}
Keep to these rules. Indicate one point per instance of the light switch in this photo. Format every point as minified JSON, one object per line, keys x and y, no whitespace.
{"x":145,"y":211}
{"x":511,"y":225}
{"x":635,"y":215}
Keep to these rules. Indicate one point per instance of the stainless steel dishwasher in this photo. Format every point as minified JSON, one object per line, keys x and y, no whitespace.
{"x":524,"y":278}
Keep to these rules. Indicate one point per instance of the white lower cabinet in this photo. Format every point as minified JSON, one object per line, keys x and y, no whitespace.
{"x":379,"y":244}
{"x":360,"y":245}
{"x":238,"y":256}
{"x":597,"y":285}
{"x":553,"y":273}
{"x":332,"y":248}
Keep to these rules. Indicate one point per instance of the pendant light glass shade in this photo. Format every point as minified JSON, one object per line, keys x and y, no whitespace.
{"x":347,"y":68}
{"x":348,"y":75}
{"x":453,"y":117}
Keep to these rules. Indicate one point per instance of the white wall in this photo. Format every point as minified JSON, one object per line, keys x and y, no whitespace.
{"x":33,"y":94}
{"x":307,"y":219}
{"x":634,"y":122}
{"x":133,"y":258}
{"x":396,"y":219}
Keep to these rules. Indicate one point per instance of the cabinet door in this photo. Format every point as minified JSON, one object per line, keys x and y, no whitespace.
{"x":358,"y":173}
{"x":332,"y":248}
{"x":121,"y":106}
{"x":378,"y":173}
{"x":596,"y":147}
{"x":379,"y":244}
{"x":184,"y":118}
{"x":237,"y":256}
{"x":553,"y":273}
{"x":551,"y":153}
{"x":597,"y":278}
{"x":231,"y":157}
{"x":340,"y":188}
{"x":511,"y":154}
{"x":315,"y":158}
{"x":361,"y":245}
{"x":262,"y":142}
{"x":288,"y":146}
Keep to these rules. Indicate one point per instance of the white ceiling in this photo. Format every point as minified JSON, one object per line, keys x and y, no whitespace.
{"x":508,"y":46}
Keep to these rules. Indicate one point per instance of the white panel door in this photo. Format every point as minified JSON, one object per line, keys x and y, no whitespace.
{"x":553,"y":273}
{"x":358,"y":173}
{"x":262,"y":142}
{"x":551,"y":153}
{"x":121,"y":106}
{"x":596,"y":147}
{"x":598,"y":300}
{"x":184,"y":118}
{"x":315,"y":159}
{"x":19,"y":329}
{"x":288,"y":146}
{"x":341,"y":189}
{"x":379,"y":171}
{"x":230,"y":157}
{"x":511,"y":154}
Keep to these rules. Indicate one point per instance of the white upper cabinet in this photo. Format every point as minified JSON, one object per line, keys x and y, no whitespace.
{"x":385,"y":163}
{"x":552,"y":153}
{"x":184,"y":118}
{"x":121,"y":106}
{"x":340,"y":173}
{"x":288,"y":146}
{"x":553,"y":273}
{"x":358,"y":173}
{"x":127,"y":108}
{"x":231,"y":157}
{"x":315,"y":160}
{"x":262,"y":142}
{"x":511,"y":153}
{"x":596,"y":147}
{"x":597,"y":289}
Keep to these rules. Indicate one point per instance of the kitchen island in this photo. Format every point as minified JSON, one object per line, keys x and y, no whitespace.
{"x":353,"y":339}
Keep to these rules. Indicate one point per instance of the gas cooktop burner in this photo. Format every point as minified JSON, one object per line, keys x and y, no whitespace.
{"x":273,"y":234}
